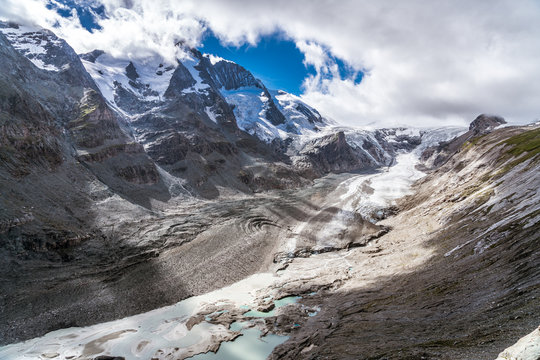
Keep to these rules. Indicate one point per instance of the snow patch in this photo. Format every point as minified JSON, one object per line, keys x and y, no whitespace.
{"x":214,"y":59}
{"x":190,"y":64}
{"x":210,"y":114}
{"x":251,"y":104}
{"x":249,"y":109}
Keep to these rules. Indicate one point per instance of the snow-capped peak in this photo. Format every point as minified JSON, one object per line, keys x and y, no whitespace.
{"x":34,"y":43}
{"x":146,"y":79}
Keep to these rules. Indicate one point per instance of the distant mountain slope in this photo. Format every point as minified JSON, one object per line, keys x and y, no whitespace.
{"x":462,"y":253}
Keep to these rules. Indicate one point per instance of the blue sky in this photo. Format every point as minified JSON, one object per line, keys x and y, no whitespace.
{"x":275,"y":60}
{"x":88,"y":14}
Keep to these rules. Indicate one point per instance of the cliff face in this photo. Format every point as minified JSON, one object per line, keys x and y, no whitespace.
{"x":331,"y":153}
{"x":58,"y":136}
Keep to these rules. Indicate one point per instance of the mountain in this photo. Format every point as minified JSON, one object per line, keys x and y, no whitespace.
{"x":89,"y":141}
{"x":130,"y":184}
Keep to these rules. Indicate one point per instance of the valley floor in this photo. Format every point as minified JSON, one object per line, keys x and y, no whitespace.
{"x":319,"y":280}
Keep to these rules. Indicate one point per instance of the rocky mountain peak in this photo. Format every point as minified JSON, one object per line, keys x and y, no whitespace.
{"x":92,"y":55}
{"x":485,"y":123}
{"x":131,"y":72}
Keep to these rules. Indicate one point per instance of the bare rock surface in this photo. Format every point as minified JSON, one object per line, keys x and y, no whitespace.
{"x":527,"y":348}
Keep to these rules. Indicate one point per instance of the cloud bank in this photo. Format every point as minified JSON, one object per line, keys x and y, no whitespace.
{"x":425,"y":62}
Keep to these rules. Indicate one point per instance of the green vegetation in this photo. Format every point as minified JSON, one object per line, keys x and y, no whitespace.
{"x":472,"y":142}
{"x":524,"y":146}
{"x":471,"y":190}
{"x":484,"y":196}
{"x":87,"y":109}
{"x":529,"y":142}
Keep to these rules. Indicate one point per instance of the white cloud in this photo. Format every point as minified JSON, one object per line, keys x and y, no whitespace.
{"x":314,"y":55}
{"x":428,"y":62}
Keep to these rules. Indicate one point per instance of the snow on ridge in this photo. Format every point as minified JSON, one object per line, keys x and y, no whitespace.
{"x":250,"y":108}
{"x":214,"y":59}
{"x":190,"y":64}
{"x":251,"y":104}
{"x":24,"y":40}
{"x":153,"y":73}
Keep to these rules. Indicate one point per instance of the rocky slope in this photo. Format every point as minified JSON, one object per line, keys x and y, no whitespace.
{"x":454,"y":264}
{"x":459,"y":269}
{"x":437,"y":155}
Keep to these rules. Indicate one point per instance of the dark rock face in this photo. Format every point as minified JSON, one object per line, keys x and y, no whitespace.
{"x":56,"y":136}
{"x":485,"y":123}
{"x":131,"y":72}
{"x":232,"y":76}
{"x":312,"y":116}
{"x":97,"y":131}
{"x":272,"y":113}
{"x":56,"y":54}
{"x":329,"y":153}
{"x":95,"y":124}
{"x":92,"y":55}
{"x":180,"y":80}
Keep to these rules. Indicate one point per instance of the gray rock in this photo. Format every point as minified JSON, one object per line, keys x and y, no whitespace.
{"x":92,"y":55}
{"x":485,"y":123}
{"x":131,"y":72}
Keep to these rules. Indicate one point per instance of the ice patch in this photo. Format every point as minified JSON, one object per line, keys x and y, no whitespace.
{"x":210,"y":114}
{"x":251,"y":104}
{"x":249,"y":110}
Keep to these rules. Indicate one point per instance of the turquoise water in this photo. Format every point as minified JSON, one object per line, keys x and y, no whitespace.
{"x":249,"y":346}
